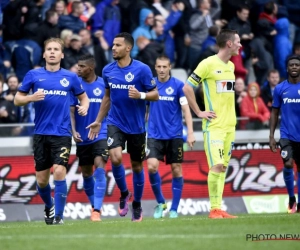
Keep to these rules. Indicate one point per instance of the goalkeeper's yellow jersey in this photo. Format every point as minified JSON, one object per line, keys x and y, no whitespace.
{"x":218,"y":81}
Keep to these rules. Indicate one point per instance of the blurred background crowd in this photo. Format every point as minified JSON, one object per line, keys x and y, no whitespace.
{"x":184,"y":30}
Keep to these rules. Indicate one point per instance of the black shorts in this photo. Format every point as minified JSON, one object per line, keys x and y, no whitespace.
{"x":50,"y":149}
{"x":135,"y":142}
{"x":172,"y":149}
{"x":87,"y":153}
{"x":290,"y":149}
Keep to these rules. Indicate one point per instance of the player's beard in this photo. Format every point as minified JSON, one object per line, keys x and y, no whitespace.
{"x":116,"y":58}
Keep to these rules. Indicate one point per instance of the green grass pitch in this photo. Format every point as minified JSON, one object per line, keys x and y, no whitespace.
{"x":186,"y":232}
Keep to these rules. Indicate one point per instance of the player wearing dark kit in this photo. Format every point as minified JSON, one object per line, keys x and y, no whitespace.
{"x":51,"y":87}
{"x":286,"y":99}
{"x":128,"y":84}
{"x":91,"y":152}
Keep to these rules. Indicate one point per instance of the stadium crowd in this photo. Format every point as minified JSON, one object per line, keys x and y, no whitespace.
{"x":184,"y":30}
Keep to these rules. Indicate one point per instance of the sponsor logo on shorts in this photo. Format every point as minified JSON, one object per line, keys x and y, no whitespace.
{"x":110,"y":141}
{"x":284,"y":154}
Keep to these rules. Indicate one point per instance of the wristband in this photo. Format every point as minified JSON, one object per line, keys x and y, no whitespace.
{"x":143,"y":95}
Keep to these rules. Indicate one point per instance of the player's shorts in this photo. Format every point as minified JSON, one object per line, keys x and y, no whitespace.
{"x":218,"y":146}
{"x":172,"y":149}
{"x":49,"y":150}
{"x":135,"y":142}
{"x":290,"y":149}
{"x":87,"y":153}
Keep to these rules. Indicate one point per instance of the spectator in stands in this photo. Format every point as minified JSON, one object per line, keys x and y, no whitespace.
{"x":240,"y":93}
{"x":32,"y":18}
{"x":73,"y":21}
{"x":200,"y":22}
{"x":265,"y":26}
{"x":106,"y":24}
{"x":66,"y":35}
{"x":241,"y":24}
{"x":4,"y":57}
{"x":296,"y":49}
{"x":210,"y":40}
{"x":13,"y":18}
{"x":149,"y":51}
{"x":168,"y":23}
{"x":7,"y":114}
{"x":145,"y":29}
{"x":293,"y":8}
{"x":182,"y":38}
{"x":60,"y":7}
{"x":262,"y":60}
{"x":282,"y":46}
{"x":22,"y":114}
{"x":253,"y":107}
{"x":48,"y":28}
{"x":239,"y":70}
{"x":72,"y":54}
{"x":93,"y":49}
{"x":133,"y":20}
{"x":268,"y":88}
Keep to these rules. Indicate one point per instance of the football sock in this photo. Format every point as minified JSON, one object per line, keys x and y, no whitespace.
{"x":155,"y":182}
{"x":119,"y":175}
{"x":177,"y":184}
{"x":212,"y":181}
{"x":60,"y":197}
{"x":288,"y":176}
{"x":138,"y":185}
{"x":88,"y":186}
{"x":100,"y":188}
{"x":221,"y":184}
{"x":45,"y":194}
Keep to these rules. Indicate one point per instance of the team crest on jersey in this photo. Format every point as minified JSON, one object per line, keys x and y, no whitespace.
{"x":169,"y":91}
{"x":129,"y":77}
{"x":110,"y":141}
{"x":64,"y":82}
{"x":152,"y":82}
{"x":299,"y":91}
{"x":218,"y":71}
{"x":284,"y":154}
{"x":97,"y":92}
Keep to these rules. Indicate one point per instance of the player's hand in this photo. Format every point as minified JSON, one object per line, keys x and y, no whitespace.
{"x":94,"y":130}
{"x":81,"y":110}
{"x":77,"y":137}
{"x":38,"y":96}
{"x":208,"y":115}
{"x":191,"y":140}
{"x":133,"y":93}
{"x":272,"y":144}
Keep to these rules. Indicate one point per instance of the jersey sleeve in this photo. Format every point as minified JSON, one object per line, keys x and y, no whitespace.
{"x":104,"y":76}
{"x":77,"y":88}
{"x":198,"y":74}
{"x":181,"y":95}
{"x":73,"y":100}
{"x":27,"y":83}
{"x":276,"y":98}
{"x":148,"y":79}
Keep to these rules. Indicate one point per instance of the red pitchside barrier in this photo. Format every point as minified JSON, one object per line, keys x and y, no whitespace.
{"x":250,"y":172}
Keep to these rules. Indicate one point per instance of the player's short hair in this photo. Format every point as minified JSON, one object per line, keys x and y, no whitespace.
{"x":164,"y":58}
{"x":224,"y":36}
{"x":127,"y":38}
{"x":292,"y":57}
{"x":56,"y":40}
{"x":87,"y":58}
